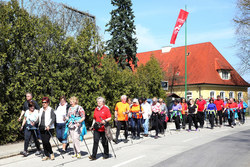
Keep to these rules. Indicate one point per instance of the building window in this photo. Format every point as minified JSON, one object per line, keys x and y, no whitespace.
{"x":225,"y":74}
{"x":222,"y":95}
{"x":212,"y":94}
{"x":240,"y":95}
{"x":164,"y":85}
{"x":231,"y":95}
{"x":189,"y":95}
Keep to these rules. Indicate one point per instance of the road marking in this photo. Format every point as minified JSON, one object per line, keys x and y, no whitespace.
{"x":190,"y":139}
{"x":129,"y":161}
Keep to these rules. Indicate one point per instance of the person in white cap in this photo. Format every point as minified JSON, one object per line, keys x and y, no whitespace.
{"x":137,"y":112}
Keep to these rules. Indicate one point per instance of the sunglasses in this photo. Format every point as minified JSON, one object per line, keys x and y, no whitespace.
{"x":44,"y":102}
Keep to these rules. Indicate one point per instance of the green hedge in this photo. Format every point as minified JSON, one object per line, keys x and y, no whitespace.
{"x":36,"y":56}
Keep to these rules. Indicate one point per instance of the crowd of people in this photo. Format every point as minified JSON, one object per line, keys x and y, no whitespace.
{"x":138,"y":115}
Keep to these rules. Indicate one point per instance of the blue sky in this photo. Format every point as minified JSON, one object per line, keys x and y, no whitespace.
{"x":208,"y":21}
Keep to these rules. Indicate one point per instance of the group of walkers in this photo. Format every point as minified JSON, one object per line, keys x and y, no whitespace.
{"x":215,"y":112}
{"x":137,"y":115}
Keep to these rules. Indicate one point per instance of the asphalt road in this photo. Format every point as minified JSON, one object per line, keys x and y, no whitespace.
{"x":230,"y":151}
{"x":218,"y":147}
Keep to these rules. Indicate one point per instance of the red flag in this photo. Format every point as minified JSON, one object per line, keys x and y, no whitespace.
{"x":181,"y":19}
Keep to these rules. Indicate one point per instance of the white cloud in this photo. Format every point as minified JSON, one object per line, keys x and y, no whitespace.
{"x":146,"y":40}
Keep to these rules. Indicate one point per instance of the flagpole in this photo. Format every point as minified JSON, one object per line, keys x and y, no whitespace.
{"x":186,"y":56}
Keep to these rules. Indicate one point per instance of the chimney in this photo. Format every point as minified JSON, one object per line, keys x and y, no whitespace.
{"x":166,"y":49}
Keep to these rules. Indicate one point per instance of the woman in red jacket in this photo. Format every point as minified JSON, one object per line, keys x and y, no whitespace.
{"x":102,"y":116}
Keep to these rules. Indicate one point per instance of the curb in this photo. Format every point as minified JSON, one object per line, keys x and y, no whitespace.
{"x":52,"y":145}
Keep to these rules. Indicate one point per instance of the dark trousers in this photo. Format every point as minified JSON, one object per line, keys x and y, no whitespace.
{"x":162,"y":123}
{"x":27,"y":137}
{"x":243,"y":117}
{"x":46,"y":144}
{"x":97,"y":136}
{"x":219,"y":113}
{"x":192,"y":118}
{"x":225,"y":116}
{"x":184,"y":120}
{"x":177,"y":121}
{"x":136,"y":126}
{"x":211,"y":119}
{"x":231,"y":120}
{"x":118,"y":128}
{"x":201,"y":116}
{"x":155,"y":120}
{"x":239,"y":114}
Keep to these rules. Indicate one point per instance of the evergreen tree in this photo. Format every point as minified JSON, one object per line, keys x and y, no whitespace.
{"x":122,"y":45}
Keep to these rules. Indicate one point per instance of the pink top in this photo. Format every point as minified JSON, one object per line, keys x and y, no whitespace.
{"x":156,"y":107}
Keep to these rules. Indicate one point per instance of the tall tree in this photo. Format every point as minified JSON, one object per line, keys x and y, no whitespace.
{"x":242,"y":22}
{"x":122,"y":45}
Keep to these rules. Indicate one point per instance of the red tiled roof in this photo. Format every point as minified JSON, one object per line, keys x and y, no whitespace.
{"x":203,"y":62}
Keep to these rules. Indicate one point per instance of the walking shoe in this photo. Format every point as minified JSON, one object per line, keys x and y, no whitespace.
{"x":189,"y":130}
{"x":38,"y":152}
{"x":232,"y":126}
{"x":67,"y":145}
{"x":78,"y":155}
{"x":45,"y":158}
{"x":24,"y":153}
{"x":126,"y":140}
{"x":115,"y":141}
{"x":92,"y":158}
{"x":105,"y":157}
{"x":133,"y":137}
{"x":52,"y":156}
{"x":146,"y":135}
{"x":137,"y":137}
{"x":74,"y":156}
{"x":63,"y":151}
{"x":156,"y":137}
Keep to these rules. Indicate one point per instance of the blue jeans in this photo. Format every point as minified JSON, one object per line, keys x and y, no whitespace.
{"x":145,"y":125}
{"x":136,"y":126}
{"x":60,"y":129}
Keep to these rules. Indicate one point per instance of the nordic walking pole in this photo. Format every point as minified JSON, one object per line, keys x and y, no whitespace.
{"x":110,"y":145}
{"x":55,"y":143}
{"x":109,"y":140}
{"x":98,"y":145}
{"x":86,"y":145}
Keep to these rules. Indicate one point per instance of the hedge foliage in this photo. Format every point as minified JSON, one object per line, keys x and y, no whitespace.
{"x":37,"y":56}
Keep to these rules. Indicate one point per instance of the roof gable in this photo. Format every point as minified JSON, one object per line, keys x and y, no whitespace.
{"x":203,"y":63}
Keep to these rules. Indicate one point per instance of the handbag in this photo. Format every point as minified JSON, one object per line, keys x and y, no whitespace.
{"x":97,"y":125}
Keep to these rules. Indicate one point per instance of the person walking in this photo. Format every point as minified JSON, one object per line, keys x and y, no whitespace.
{"x":156,"y":110}
{"x":75,"y":117}
{"x":191,"y":114}
{"x":212,"y":110}
{"x":232,"y":109}
{"x":176,"y":115}
{"x":164,"y":110}
{"x":201,"y":109}
{"x":61,"y":112}
{"x":244,"y":107}
{"x":219,"y":105}
{"x":184,"y":107}
{"x":29,"y":98}
{"x":137,"y":112}
{"x":101,"y":118}
{"x":29,"y":121}
{"x":121,"y":117}
{"x":146,"y":116}
{"x":46,"y":127}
